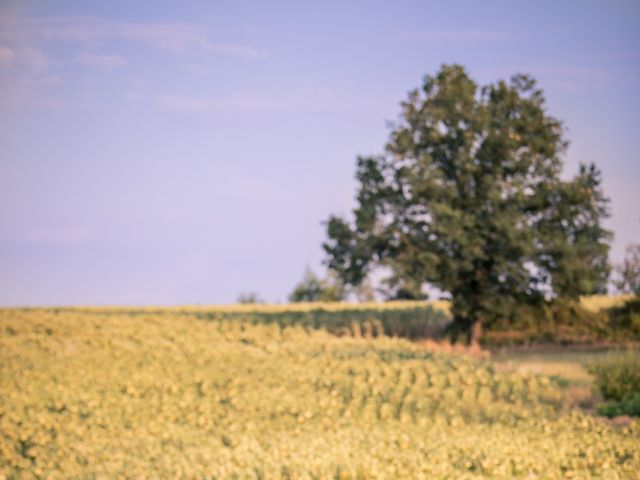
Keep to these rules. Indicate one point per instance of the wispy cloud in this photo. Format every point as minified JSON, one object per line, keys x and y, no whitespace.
{"x":33,"y":52}
{"x":176,"y":37}
{"x":34,"y":59}
{"x":31,"y":91}
{"x":28,"y":60}
{"x":472,"y":35}
{"x":6,"y":56}
{"x":29,"y":74}
{"x":103,"y":61}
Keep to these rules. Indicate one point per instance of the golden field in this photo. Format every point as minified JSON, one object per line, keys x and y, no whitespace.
{"x":106,"y":393}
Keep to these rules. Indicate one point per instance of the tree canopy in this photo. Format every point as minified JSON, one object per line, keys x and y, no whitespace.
{"x":468,"y":197}
{"x":314,"y":289}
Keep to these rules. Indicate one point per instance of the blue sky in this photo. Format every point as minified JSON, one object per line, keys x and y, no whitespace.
{"x":186,"y":152}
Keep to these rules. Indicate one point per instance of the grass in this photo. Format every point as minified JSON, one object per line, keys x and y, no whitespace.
{"x":569,"y":363}
{"x":584,"y":373}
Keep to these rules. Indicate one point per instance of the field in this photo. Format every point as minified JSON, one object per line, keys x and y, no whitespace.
{"x":190,"y":393}
{"x":568,"y":364}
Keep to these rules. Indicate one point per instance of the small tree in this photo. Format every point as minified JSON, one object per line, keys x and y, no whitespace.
{"x":314,"y":289}
{"x":628,"y":273}
{"x":249,"y":297}
{"x":468,"y":197}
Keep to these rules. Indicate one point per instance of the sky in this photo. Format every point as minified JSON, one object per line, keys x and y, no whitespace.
{"x":163,"y":153}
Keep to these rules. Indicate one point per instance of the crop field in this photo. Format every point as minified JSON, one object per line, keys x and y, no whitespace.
{"x":111,"y":393}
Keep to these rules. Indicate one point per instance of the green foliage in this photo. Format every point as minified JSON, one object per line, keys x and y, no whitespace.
{"x":618,"y":379}
{"x":565,"y":321}
{"x":626,"y":318}
{"x":618,"y":376}
{"x":414,"y":322}
{"x":314,"y":289}
{"x":630,"y":405}
{"x":628,"y":273}
{"x":468,"y":197}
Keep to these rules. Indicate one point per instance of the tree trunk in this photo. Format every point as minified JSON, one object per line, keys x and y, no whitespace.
{"x":474,"y":331}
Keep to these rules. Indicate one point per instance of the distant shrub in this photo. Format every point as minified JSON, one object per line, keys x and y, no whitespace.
{"x":568,"y":322}
{"x":557,"y":321}
{"x":626,"y":317}
{"x":249,"y":298}
{"x":618,"y":376}
{"x":315,"y":289}
{"x":630,"y":405}
{"x":414,"y":322}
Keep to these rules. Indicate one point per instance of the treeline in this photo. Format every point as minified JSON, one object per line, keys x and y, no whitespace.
{"x":568,"y":322}
{"x":599,"y":319}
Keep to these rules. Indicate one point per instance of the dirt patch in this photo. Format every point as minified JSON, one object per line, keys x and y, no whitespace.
{"x":621,"y":421}
{"x":456,"y":348}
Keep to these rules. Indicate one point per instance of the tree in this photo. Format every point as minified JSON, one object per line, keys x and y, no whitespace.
{"x":314,"y":289}
{"x":467,"y":197}
{"x":628,"y":273}
{"x":249,"y":298}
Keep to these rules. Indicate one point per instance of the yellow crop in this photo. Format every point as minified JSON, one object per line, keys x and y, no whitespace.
{"x":595,"y":303}
{"x":105,"y":394}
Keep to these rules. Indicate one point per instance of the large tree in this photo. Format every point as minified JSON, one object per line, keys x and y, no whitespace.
{"x":468,"y":197}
